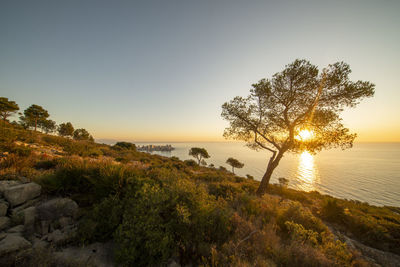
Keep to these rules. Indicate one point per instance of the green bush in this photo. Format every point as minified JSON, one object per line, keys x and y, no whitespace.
{"x":332,"y":211}
{"x":172,"y":219}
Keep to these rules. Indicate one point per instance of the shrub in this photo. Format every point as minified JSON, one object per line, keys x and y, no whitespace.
{"x":296,"y":213}
{"x":176,"y":218}
{"x":190,"y":163}
{"x":332,"y":211}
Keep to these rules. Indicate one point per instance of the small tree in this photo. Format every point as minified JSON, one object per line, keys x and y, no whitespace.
{"x":283,"y":182}
{"x":82,"y":134}
{"x":48,"y":126}
{"x":300,"y":99}
{"x":234,"y":163}
{"x":35,"y":114}
{"x":66,"y":129}
{"x":198,"y":153}
{"x":124,"y":145}
{"x":7,"y":108}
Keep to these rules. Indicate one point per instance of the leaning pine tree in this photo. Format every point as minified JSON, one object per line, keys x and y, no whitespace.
{"x":297,"y":109}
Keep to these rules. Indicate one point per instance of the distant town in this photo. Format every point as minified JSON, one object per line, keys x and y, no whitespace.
{"x":151,"y":148}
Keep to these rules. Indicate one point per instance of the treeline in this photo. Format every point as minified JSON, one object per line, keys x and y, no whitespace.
{"x":36,"y":117}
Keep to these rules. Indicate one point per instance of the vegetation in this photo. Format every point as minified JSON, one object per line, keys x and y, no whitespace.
{"x":66,"y":129}
{"x":161,"y":209}
{"x":298,"y":109}
{"x":35,"y":114}
{"x":82,"y":134}
{"x":199,"y":154}
{"x":7,"y":108}
{"x":234,"y":163}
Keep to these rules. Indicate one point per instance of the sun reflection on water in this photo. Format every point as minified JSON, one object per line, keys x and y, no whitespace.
{"x":307,"y":172}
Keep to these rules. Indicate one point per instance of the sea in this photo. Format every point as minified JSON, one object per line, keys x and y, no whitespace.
{"x":368,"y":172}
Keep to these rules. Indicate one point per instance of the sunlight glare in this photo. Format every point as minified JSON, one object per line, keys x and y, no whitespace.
{"x":305,"y":135}
{"x":307,"y":171}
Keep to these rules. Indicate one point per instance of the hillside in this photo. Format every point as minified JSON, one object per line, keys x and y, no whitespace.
{"x":150,"y":210}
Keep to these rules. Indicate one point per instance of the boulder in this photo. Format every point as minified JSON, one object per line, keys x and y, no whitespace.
{"x":56,"y":208}
{"x":3,"y":207}
{"x":96,"y":254}
{"x":29,"y":219}
{"x":4,"y":223}
{"x":6,"y":184}
{"x":16,"y":229}
{"x":13,"y":243}
{"x":21,"y":193}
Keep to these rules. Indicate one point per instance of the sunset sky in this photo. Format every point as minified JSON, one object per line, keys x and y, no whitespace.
{"x":160,"y":70}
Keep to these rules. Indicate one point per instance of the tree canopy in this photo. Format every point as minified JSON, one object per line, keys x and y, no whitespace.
{"x":66,"y":129}
{"x":234,"y":163}
{"x":199,"y":153}
{"x":48,"y":126}
{"x":35,"y":114}
{"x":299,"y":98}
{"x":124,"y":145}
{"x":7,"y":108}
{"x":82,"y":134}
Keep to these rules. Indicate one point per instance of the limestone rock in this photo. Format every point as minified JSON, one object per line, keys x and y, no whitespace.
{"x":39,"y":244}
{"x":4,"y":223}
{"x":97,"y":254}
{"x":57,"y":208}
{"x":2,"y":235}
{"x":12,"y":243}
{"x":6,"y":184}
{"x":29,"y":219}
{"x":3,"y":207}
{"x":16,"y":229}
{"x":21,"y":193}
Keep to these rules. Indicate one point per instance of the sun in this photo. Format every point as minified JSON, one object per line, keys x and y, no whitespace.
{"x":305,"y":135}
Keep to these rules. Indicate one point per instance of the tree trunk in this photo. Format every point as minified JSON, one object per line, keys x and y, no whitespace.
{"x":233,"y":170}
{"x":272,"y":164}
{"x":35,"y":124}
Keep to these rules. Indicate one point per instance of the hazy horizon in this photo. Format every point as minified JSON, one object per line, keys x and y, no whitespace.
{"x":160,"y":71}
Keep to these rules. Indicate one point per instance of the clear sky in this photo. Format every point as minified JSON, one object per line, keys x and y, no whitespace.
{"x":160,"y":70}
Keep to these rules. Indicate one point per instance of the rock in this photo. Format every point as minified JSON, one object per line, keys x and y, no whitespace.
{"x":44,"y":227}
{"x":57,"y":208}
{"x":58,"y":237}
{"x":2,"y":235}
{"x":21,"y":193}
{"x":29,"y":219}
{"x":13,"y":243}
{"x":97,"y":254}
{"x":3,"y":207}
{"x":65,"y":221}
{"x":4,"y":223}
{"x":39,"y":244}
{"x":16,"y":229}
{"x":27,"y":204}
{"x":6,"y":184}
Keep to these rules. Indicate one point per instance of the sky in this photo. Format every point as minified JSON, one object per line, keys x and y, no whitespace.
{"x":160,"y":70}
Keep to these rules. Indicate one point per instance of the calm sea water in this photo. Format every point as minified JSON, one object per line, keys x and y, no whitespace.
{"x":367,"y":172}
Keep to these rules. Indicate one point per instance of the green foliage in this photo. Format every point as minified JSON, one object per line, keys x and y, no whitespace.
{"x":82,"y":134}
{"x":66,"y":129}
{"x":48,"y":126}
{"x":7,"y":108}
{"x":190,"y":163}
{"x":124,"y":145}
{"x":297,"y":98}
{"x":296,"y":213}
{"x":34,"y":115}
{"x":183,"y":221}
{"x":87,"y":181}
{"x":199,"y":154}
{"x":234,"y":163}
{"x":95,"y":226}
{"x":332,"y":211}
